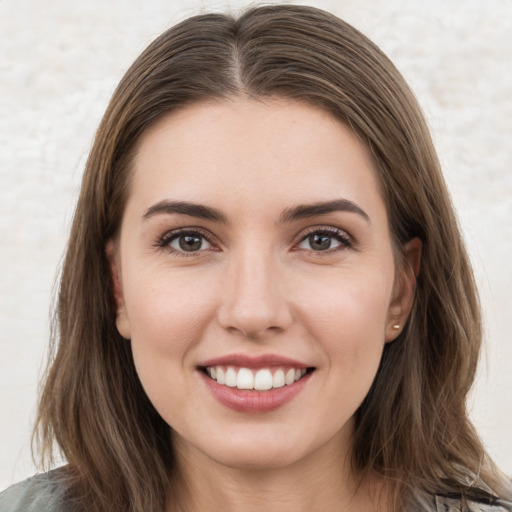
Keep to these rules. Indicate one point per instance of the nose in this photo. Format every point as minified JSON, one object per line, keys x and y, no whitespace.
{"x":254,"y":301}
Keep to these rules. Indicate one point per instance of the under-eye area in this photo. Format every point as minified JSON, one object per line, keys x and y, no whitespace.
{"x":258,"y":379}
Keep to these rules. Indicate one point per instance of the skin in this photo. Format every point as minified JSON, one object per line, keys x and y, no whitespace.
{"x":257,"y":286}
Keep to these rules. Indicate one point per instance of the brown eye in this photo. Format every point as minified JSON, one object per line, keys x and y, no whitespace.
{"x":325,"y":241}
{"x":319,"y":242}
{"x":189,"y":242}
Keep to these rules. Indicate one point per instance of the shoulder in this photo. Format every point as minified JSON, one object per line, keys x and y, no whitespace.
{"x":40,"y":493}
{"x":456,"y":504}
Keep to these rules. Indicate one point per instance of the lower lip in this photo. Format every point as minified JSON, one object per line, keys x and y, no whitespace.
{"x":249,"y":401}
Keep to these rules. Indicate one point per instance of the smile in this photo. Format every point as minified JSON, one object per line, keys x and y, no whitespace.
{"x":255,"y":384}
{"x":262,"y":379}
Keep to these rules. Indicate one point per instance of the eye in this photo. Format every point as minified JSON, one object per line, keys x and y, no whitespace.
{"x":325,"y":240}
{"x":185,"y":242}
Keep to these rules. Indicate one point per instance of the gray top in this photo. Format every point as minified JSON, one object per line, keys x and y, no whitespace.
{"x":444,"y":504}
{"x":41,"y":493}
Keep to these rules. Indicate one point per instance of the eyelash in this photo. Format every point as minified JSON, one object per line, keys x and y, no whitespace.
{"x":340,"y":236}
{"x":164,"y":242}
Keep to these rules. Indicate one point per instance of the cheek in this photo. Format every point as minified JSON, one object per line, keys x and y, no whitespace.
{"x":348,"y":303}
{"x":168,"y":314}
{"x":167,"y":308}
{"x":348,"y":322}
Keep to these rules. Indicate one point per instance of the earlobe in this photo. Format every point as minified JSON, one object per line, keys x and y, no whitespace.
{"x":122,"y":322}
{"x":405,"y":287}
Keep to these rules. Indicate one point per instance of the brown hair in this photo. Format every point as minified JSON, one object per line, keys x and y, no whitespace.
{"x":413,"y":427}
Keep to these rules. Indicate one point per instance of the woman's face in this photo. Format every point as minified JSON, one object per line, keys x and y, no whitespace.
{"x":255,"y":248}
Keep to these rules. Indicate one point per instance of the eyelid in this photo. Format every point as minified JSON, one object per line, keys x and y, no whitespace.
{"x":164,"y":240}
{"x":345,"y":239}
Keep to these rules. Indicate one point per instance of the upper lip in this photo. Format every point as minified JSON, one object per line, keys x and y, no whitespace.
{"x":246,"y":361}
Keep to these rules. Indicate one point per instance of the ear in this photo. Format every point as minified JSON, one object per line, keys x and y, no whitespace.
{"x":404,"y":289}
{"x":122,"y":322}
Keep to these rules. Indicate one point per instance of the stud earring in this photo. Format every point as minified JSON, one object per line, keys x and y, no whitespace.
{"x":396,"y":326}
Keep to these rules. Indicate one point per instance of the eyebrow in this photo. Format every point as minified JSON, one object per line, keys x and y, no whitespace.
{"x":322,"y":208}
{"x":298,"y":212}
{"x":186,"y":208}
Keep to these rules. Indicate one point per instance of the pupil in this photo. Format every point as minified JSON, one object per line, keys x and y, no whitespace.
{"x":190,"y":243}
{"x":320,"y":242}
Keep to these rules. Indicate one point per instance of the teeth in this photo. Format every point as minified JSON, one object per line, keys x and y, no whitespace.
{"x":245,"y":379}
{"x":230,"y":378}
{"x":278,"y":379}
{"x":261,"y":380}
{"x":289,"y":378}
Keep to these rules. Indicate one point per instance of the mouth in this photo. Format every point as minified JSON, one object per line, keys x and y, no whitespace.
{"x":258,"y":384}
{"x":258,"y":379}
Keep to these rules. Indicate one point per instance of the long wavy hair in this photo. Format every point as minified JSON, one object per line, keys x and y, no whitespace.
{"x":412,"y":429}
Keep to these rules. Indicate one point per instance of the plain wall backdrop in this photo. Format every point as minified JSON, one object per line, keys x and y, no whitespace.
{"x":60,"y":62}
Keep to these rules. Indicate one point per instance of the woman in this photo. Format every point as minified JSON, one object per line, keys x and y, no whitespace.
{"x":265,"y":303}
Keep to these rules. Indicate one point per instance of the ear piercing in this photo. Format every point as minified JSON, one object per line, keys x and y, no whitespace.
{"x":396,"y":326}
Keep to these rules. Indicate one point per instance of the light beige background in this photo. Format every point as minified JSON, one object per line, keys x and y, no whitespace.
{"x":59,"y":63}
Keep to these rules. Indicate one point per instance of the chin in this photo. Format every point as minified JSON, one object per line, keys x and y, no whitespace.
{"x":259,"y":458}
{"x":267,"y":448}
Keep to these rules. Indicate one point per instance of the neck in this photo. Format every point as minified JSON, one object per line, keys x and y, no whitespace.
{"x":323,"y":481}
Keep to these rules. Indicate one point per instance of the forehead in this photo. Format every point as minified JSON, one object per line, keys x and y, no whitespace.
{"x":254,"y":149}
